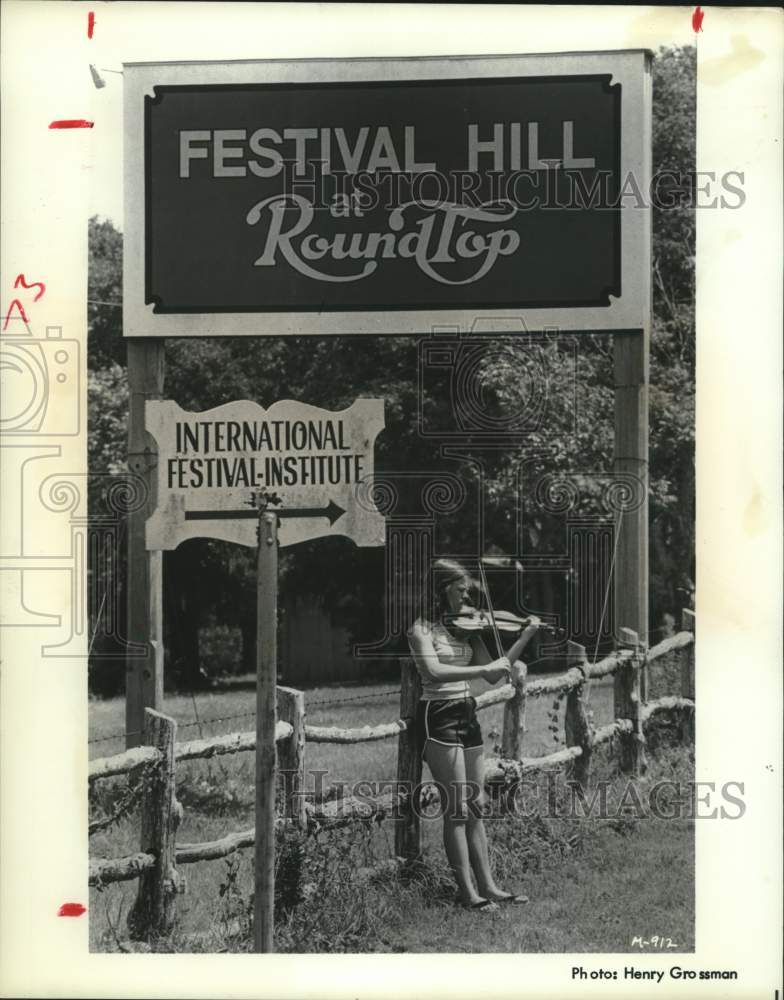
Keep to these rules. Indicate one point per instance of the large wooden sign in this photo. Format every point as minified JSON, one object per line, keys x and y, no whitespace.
{"x":313,"y":466}
{"x":387,"y":196}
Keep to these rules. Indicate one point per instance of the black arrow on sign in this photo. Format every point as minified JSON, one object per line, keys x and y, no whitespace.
{"x":332,"y":512}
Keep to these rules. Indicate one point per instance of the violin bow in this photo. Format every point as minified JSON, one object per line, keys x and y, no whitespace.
{"x":490,"y":608}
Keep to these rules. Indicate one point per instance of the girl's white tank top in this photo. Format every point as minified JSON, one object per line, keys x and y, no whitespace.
{"x":450,"y":650}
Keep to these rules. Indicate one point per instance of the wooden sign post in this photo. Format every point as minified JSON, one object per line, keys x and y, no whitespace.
{"x":266,"y":680}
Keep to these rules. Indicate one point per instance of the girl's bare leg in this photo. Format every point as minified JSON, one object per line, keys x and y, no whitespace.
{"x":447,"y":766}
{"x":476,"y":836}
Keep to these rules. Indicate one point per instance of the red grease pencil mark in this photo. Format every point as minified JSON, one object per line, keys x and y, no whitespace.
{"x":20,"y":280}
{"x":71,"y":910}
{"x":20,"y":307}
{"x":90,"y":24}
{"x":71,"y":123}
{"x":696,"y":19}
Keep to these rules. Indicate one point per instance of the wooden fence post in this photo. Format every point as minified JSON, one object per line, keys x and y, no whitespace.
{"x":688,"y":624}
{"x":628,"y":705}
{"x":577,"y":728}
{"x":291,"y":755}
{"x":514,"y":715}
{"x":408,"y":828}
{"x":153,"y":912}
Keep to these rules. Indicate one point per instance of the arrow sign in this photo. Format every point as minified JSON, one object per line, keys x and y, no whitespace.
{"x":312,"y":467}
{"x":332,"y":512}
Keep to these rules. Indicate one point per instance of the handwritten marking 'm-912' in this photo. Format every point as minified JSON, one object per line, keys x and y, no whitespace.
{"x":654,"y":941}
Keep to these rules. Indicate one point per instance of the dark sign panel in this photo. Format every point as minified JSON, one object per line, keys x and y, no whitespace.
{"x":434,"y":194}
{"x":387,"y":196}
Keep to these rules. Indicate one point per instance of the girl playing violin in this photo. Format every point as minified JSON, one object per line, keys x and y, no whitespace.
{"x":448,"y":730}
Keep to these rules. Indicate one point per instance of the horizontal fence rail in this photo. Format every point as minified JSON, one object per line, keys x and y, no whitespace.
{"x":121,"y":763}
{"x":366,"y":734}
{"x":129,"y":760}
{"x":155,"y":865}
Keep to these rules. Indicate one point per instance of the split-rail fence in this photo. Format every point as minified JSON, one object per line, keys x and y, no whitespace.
{"x":158,"y":862}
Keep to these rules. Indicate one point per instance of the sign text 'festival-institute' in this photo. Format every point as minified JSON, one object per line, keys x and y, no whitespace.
{"x":313,"y":467}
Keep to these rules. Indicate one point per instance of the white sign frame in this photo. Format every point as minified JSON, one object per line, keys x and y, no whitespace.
{"x":630,"y":311}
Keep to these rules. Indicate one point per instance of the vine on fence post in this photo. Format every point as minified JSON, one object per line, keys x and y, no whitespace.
{"x":633,"y":743}
{"x":577,"y":728}
{"x":688,"y":624}
{"x":291,"y":755}
{"x":153,"y":912}
{"x":514,"y":714}
{"x":554,"y":714}
{"x":408,"y":831}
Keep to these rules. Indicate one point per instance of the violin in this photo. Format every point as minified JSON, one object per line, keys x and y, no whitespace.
{"x":471,"y":619}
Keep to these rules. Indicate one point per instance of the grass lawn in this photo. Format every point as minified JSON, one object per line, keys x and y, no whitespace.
{"x":585,"y":876}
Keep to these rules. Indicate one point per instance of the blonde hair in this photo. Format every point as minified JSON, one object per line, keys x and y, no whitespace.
{"x":445,"y":572}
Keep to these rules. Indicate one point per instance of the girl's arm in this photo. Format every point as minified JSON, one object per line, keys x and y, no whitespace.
{"x":427,"y":661}
{"x":481,"y":653}
{"x":495,"y":670}
{"x":482,"y":656}
{"x":519,"y":644}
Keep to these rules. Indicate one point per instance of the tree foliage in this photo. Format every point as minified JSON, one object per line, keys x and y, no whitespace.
{"x":104,"y":296}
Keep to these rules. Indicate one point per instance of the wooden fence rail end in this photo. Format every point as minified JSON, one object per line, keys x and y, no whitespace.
{"x":105,"y":870}
{"x":667,"y":703}
{"x":610,"y":664}
{"x":121,"y":763}
{"x":499,"y":769}
{"x":555,"y":684}
{"x":350,"y":808}
{"x":211,"y":850}
{"x":495,"y":696}
{"x":230,"y":743}
{"x":605,"y":733}
{"x":670,"y":645}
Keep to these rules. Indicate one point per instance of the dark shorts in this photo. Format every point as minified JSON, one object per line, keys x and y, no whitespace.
{"x":451,"y":722}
